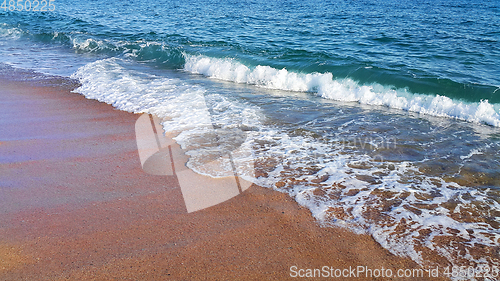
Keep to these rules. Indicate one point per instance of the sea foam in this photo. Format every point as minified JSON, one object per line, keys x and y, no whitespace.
{"x":406,"y":211}
{"x":348,"y":90}
{"x":10,"y":32}
{"x":182,"y":106}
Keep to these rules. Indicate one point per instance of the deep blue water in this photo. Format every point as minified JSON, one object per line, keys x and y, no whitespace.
{"x":384,"y":101}
{"x":449,"y":48}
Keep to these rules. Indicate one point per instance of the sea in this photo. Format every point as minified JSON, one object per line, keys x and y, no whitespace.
{"x":379,"y":116}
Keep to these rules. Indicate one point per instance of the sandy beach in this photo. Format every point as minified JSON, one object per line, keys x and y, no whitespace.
{"x":76,"y":205}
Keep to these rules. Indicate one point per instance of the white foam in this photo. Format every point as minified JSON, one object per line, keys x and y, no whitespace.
{"x":296,"y":154}
{"x":472,"y":153}
{"x":343,"y":89}
{"x":184,"y":107}
{"x":89,"y":44}
{"x":438,"y":220}
{"x":10,"y":32}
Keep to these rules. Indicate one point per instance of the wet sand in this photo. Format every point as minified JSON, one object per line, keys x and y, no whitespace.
{"x":75,"y":204}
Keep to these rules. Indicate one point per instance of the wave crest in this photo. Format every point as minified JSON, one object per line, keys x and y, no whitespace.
{"x":346,"y":90}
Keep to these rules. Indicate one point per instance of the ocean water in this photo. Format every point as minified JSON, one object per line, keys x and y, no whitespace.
{"x":382,"y":117}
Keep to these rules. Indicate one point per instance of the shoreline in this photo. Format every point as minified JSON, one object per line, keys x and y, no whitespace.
{"x":76,"y":205}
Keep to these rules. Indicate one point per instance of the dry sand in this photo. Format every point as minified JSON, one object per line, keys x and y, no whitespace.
{"x":76,"y":205}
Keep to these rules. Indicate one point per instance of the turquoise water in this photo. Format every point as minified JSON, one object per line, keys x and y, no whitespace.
{"x":379,"y":116}
{"x":449,"y":48}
